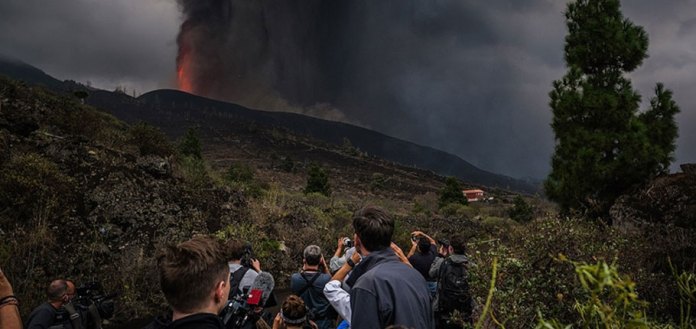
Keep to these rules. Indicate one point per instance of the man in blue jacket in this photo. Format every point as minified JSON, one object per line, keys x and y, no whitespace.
{"x":385,"y":291}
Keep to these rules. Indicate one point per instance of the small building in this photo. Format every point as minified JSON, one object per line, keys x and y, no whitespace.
{"x":473,"y":195}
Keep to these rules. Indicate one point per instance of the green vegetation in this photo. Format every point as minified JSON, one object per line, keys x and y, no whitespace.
{"x":150,"y":140}
{"x":451,"y":193}
{"x":603,"y":146}
{"x":521,"y":211}
{"x":317,"y":181}
{"x":190,"y":144}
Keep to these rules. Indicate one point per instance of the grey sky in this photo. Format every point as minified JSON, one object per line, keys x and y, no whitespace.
{"x":476,"y":82}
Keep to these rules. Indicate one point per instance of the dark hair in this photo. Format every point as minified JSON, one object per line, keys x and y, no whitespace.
{"x":458,"y":243}
{"x":374,"y":227}
{"x":424,"y":245}
{"x":312,"y":255}
{"x":56,"y":290}
{"x":235,"y":249}
{"x":190,"y":270}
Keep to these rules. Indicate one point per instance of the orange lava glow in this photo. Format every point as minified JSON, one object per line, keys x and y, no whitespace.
{"x":184,"y":79}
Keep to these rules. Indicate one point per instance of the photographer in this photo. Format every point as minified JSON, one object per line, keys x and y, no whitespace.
{"x":243,"y":267}
{"x":309,"y":285}
{"x":53,"y":313}
{"x":421,"y":256}
{"x":339,"y":258}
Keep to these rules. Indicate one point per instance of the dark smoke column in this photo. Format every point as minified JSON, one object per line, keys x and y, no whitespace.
{"x":261,"y":54}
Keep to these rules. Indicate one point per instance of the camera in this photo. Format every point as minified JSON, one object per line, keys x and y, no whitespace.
{"x":348,"y":243}
{"x":414,"y":238}
{"x":247,"y":256}
{"x":91,"y":296}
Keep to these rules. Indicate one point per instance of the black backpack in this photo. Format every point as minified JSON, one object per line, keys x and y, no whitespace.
{"x":235,"y":279}
{"x":453,"y":288}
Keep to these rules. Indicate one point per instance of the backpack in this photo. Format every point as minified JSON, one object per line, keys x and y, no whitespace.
{"x":453,"y":288}
{"x":235,"y":279}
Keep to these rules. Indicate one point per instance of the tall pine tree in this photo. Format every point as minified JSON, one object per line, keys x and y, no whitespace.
{"x":604,"y":146}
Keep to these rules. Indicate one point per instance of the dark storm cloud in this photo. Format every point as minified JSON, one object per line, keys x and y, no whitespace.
{"x":126,"y":42}
{"x":470,"y":77}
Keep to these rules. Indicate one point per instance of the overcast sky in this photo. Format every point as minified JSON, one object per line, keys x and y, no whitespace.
{"x":487,"y":101}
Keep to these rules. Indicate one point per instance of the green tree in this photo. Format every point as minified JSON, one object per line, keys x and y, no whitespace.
{"x":603,"y":145}
{"x":451,"y":193}
{"x":190,"y":144}
{"x":521,"y":211}
{"x":318,"y":181}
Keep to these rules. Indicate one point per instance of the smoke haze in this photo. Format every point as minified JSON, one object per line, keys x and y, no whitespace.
{"x":468,"y":77}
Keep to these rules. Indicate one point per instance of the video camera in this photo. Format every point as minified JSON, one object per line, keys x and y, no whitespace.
{"x":92,"y":300}
{"x":240,"y":311}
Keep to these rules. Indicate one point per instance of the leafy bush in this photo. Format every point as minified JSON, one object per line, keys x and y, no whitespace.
{"x":190,"y":144}
{"x":451,"y":193}
{"x":34,"y":186}
{"x":610,"y":299}
{"x":239,"y":172}
{"x":149,"y":140}
{"x":194,"y":172}
{"x":318,"y":181}
{"x":521,"y":211}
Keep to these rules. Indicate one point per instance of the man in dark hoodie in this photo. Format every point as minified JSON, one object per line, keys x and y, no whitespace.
{"x":450,"y":269}
{"x":385,"y":291}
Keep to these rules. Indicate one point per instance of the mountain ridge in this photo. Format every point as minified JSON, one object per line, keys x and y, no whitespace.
{"x":173,"y":111}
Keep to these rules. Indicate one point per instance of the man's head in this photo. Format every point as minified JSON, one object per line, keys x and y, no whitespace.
{"x":423,"y":245}
{"x":194,"y":275}
{"x":235,"y":249}
{"x":373,"y":228}
{"x":57,"y":291}
{"x":458,"y":244}
{"x":312,"y":255}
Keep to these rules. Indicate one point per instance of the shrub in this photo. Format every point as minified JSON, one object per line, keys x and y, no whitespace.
{"x":451,"y":193}
{"x":34,"y":187}
{"x":190,"y":144}
{"x":318,"y":181}
{"x":521,"y":211}
{"x":239,"y":172}
{"x":149,"y":140}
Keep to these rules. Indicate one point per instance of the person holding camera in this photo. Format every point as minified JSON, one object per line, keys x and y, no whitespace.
{"x":339,"y":258}
{"x":194,"y":278}
{"x":309,"y":285}
{"x":53,"y":313}
{"x":243,"y":267}
{"x":421,"y":256}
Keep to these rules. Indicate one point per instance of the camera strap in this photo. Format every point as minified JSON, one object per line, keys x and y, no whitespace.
{"x":308,"y":283}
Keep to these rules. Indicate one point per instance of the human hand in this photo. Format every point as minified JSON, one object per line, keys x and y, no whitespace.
{"x":256,"y":265}
{"x":5,"y":286}
{"x":278,"y":322}
{"x":339,"y":244}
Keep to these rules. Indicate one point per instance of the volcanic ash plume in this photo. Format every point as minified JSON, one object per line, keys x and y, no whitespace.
{"x":261,"y":54}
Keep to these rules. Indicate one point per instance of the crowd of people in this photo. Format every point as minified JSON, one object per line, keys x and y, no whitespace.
{"x":368,"y":283}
